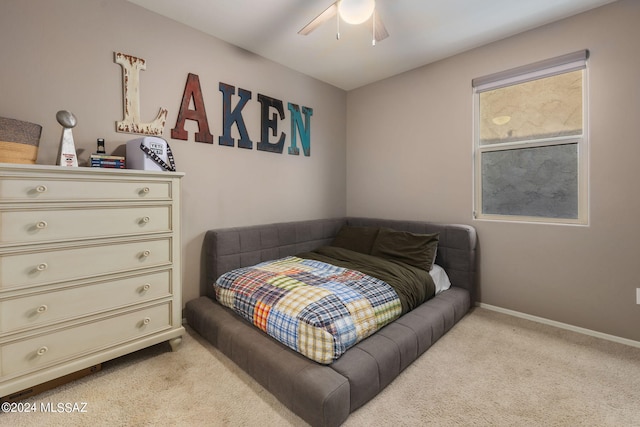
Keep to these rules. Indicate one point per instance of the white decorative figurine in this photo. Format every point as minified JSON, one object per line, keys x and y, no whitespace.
{"x":67,"y":153}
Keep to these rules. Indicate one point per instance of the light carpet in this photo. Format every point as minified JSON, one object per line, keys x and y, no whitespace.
{"x":491,"y":369}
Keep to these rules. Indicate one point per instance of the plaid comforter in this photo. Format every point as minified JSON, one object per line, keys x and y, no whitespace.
{"x":317,"y":309}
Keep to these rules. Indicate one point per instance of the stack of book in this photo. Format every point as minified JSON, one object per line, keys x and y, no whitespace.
{"x":104,"y":161}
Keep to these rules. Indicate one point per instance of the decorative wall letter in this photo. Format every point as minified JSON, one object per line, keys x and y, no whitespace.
{"x":131,"y":67}
{"x":270,"y":123}
{"x":230,"y":117}
{"x":193,"y":91}
{"x":303,"y":128}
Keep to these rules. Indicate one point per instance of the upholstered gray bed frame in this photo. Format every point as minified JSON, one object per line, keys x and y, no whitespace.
{"x":325,"y":395}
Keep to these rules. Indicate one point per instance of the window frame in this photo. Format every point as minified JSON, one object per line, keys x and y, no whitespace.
{"x":542,"y":69}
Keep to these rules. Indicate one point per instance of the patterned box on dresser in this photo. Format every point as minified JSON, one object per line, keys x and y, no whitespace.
{"x":90,"y":268}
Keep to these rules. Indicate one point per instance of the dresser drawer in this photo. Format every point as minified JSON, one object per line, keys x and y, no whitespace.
{"x":22,"y":226}
{"x":61,"y":265}
{"x":84,"y":188}
{"x":50,"y":307}
{"x":36,"y":352}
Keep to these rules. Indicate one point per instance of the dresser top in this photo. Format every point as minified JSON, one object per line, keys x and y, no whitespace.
{"x":21,"y":168}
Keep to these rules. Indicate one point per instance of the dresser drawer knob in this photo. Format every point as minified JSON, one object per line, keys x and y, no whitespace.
{"x":41,"y":188}
{"x":41,"y":225}
{"x":146,"y":321}
{"x":146,"y":287}
{"x":145,"y":190}
{"x":146,"y":253}
{"x":42,"y":350}
{"x":42,"y":267}
{"x":43,"y":308}
{"x":145,"y":220}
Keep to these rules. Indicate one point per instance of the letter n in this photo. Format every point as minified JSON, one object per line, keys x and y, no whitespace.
{"x":193,"y":91}
{"x":303,"y":128}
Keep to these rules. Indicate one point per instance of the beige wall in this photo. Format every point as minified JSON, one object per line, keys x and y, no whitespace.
{"x":409,"y":142}
{"x":59,"y":55}
{"x":409,"y":155}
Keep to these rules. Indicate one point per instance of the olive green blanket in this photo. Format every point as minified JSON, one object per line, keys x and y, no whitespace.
{"x":413,"y":285}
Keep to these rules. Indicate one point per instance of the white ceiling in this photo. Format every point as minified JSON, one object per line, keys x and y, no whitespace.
{"x":421,"y":31}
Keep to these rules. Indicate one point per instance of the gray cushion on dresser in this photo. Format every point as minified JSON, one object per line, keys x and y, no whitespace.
{"x":326,"y":395}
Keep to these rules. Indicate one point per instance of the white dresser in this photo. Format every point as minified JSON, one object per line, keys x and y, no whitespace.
{"x":89,"y":268}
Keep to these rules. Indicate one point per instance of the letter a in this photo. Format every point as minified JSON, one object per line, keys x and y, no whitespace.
{"x":193,"y":91}
{"x":131,"y":67}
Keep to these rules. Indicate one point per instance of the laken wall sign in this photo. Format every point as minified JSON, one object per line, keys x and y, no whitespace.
{"x":271,"y":114}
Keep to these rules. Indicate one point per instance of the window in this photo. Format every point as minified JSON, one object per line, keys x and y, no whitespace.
{"x":530,"y":142}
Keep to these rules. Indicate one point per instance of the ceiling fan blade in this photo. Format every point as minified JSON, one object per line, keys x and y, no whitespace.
{"x":329,"y":13}
{"x":380,"y":30}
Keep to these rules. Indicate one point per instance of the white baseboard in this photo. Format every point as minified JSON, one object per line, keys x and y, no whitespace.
{"x":561,"y":325}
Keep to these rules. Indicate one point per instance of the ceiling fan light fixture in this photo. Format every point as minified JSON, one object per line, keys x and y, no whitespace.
{"x":356,"y":11}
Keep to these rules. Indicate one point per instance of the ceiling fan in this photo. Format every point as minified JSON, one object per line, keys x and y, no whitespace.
{"x":352,"y":12}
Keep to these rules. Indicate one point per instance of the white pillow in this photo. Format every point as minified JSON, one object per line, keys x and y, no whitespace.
{"x":440,"y":278}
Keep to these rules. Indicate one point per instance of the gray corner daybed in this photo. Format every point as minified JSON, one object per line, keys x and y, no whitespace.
{"x":325,"y":395}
